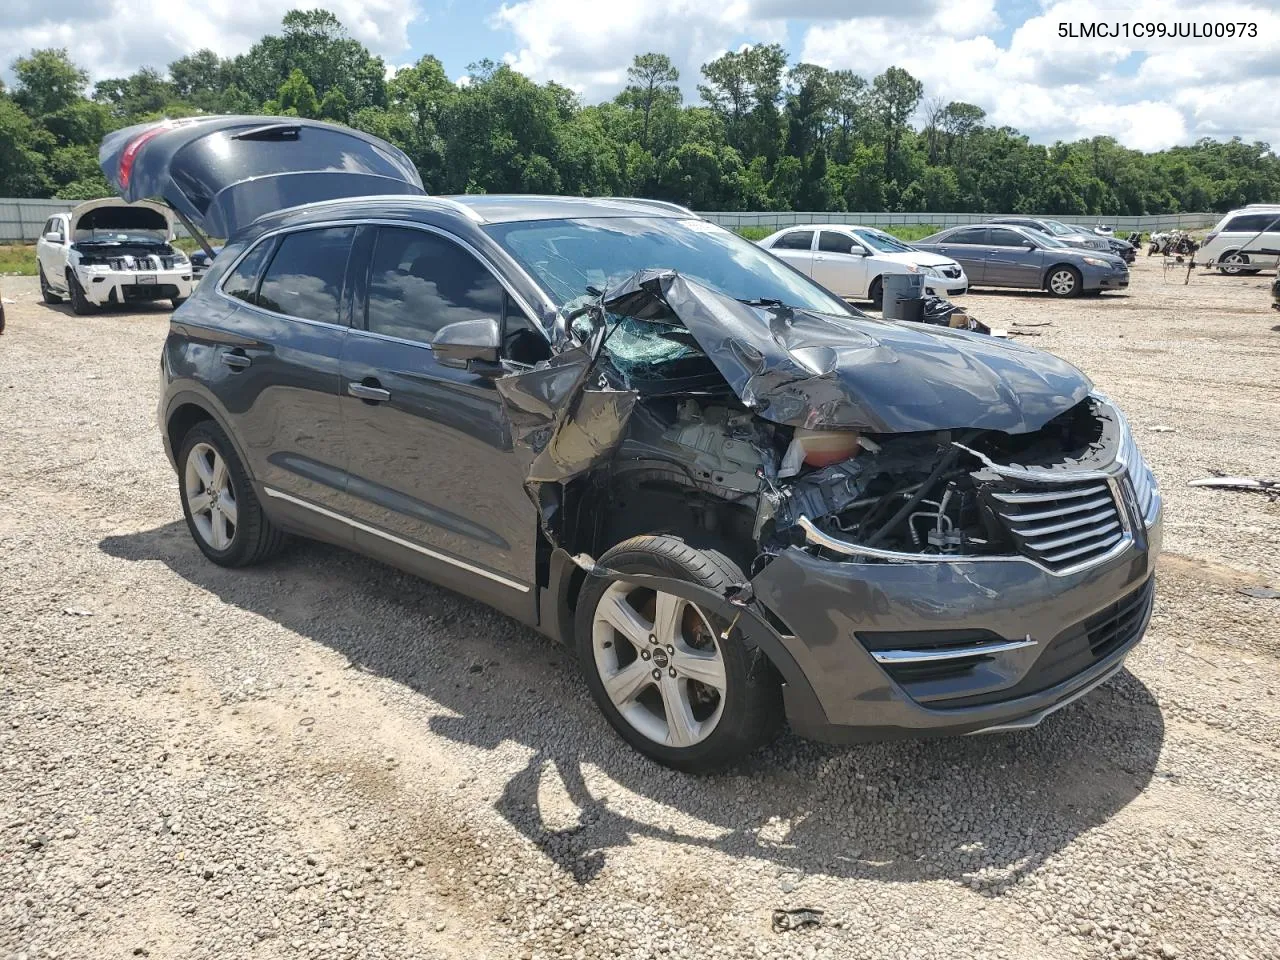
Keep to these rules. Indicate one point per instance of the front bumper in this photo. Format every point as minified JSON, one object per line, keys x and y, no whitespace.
{"x":1110,"y":281}
{"x":129,"y":286}
{"x":1055,"y":627}
{"x":945,"y":288}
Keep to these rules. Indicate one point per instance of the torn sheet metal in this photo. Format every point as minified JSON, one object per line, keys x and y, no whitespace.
{"x":562,"y":424}
{"x":815,"y":370}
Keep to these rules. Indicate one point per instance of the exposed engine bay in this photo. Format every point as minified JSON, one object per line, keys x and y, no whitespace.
{"x":129,"y":255}
{"x":771,"y":429}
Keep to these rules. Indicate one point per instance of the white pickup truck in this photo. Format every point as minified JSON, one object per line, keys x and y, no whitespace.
{"x":108,"y":251}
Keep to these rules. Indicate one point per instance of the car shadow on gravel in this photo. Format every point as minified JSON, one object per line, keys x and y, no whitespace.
{"x":982,"y":811}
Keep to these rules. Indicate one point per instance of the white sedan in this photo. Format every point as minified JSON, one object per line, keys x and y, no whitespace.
{"x":850,"y":260}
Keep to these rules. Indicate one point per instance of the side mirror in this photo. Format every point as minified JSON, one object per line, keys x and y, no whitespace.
{"x":1031,"y":245}
{"x":468,"y":341}
{"x":52,"y":237}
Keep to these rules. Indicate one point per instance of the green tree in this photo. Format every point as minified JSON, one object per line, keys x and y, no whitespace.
{"x":296,"y":96}
{"x":895,"y":94}
{"x":652,"y":88}
{"x":47,"y":82}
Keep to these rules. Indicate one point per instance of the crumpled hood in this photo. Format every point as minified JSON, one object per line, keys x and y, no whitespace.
{"x":815,"y":370}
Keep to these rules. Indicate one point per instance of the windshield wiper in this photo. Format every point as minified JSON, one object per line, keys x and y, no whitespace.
{"x":761,"y":302}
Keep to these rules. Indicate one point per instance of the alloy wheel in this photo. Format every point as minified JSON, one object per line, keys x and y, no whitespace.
{"x":660,"y":664}
{"x":1233,"y":262}
{"x":1062,"y":282}
{"x":210,"y":496}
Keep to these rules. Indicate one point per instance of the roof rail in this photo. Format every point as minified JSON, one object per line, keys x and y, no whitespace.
{"x":662,"y":204}
{"x":447,"y":202}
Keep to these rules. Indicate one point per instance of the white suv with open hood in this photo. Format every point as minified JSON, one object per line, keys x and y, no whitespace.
{"x":109,"y":251}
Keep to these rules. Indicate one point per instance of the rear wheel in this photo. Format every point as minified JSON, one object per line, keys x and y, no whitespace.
{"x":1064,"y":281}
{"x":1233,"y":262}
{"x":677,"y":683}
{"x":46,"y":291}
{"x":79,"y":302}
{"x":223,"y":513}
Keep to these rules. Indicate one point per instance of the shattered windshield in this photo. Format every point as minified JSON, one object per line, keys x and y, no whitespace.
{"x":568,"y":256}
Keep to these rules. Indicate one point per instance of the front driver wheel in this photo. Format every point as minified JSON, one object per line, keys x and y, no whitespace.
{"x":876,"y":293}
{"x":223,"y":513}
{"x":1064,"y":282}
{"x":80,"y":304}
{"x":674,"y":681}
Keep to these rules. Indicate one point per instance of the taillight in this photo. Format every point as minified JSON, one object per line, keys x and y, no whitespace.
{"x":131,"y":152}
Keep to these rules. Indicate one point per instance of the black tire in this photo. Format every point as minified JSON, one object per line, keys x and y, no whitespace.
{"x":46,"y":291}
{"x":876,"y":293}
{"x":752,"y":701}
{"x":177,"y":302}
{"x":255,"y":538}
{"x":79,"y":302}
{"x":1056,"y":284}
{"x":1237,"y":265}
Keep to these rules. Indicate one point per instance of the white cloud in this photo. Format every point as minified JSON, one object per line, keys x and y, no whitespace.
{"x":588,"y":48}
{"x":1053,"y":87}
{"x":116,"y":37}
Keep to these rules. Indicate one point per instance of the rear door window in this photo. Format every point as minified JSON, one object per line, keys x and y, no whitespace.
{"x":795,"y":240}
{"x":420,"y":282}
{"x":306,"y":275}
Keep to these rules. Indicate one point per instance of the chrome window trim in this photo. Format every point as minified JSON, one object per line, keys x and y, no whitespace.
{"x":486,"y":261}
{"x":409,"y":544}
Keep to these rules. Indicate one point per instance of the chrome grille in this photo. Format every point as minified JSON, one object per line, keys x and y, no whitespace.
{"x":952,"y":272}
{"x":1062,"y":525}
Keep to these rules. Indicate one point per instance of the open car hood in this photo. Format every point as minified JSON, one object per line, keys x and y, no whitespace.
{"x":114,"y":213}
{"x":824,"y":371}
{"x":223,"y":172}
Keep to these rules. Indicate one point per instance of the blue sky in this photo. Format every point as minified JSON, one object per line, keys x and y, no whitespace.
{"x":1004,"y":55}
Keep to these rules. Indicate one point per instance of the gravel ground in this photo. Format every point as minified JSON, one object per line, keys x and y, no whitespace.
{"x":326,"y":758}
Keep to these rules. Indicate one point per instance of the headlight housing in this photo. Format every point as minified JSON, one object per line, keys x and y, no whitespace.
{"x":1146,"y":488}
{"x":1098,"y":262}
{"x":930,"y":271}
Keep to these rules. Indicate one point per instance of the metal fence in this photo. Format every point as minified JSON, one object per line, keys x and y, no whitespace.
{"x":24,"y":219}
{"x":775,"y":221}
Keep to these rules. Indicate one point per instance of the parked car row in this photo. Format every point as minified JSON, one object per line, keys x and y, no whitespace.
{"x":732,"y":494}
{"x":851,"y":261}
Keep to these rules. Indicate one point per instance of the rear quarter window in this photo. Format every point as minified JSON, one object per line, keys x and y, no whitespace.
{"x":306,"y":275}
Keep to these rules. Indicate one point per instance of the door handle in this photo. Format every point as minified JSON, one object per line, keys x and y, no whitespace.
{"x":368,"y":392}
{"x":819,"y":257}
{"x":235,"y":359}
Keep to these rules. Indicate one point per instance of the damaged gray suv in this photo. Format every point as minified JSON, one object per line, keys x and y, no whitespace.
{"x":737,"y":498}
